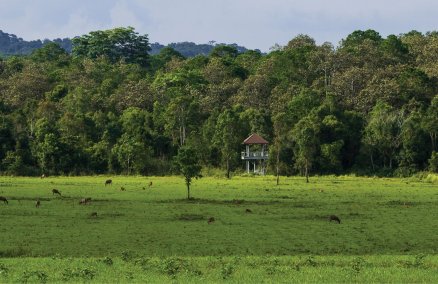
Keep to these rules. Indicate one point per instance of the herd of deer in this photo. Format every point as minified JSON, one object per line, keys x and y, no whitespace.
{"x":85,"y":201}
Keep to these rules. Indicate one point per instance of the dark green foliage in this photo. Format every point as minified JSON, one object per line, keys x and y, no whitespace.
{"x":188,"y":165}
{"x":116,"y":44}
{"x":368,"y":106}
{"x":433,"y":162}
{"x":191,"y":49}
{"x":358,"y":37}
{"x":10,"y":44}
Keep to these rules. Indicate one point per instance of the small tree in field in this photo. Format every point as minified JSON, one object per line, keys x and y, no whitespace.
{"x":188,"y":164}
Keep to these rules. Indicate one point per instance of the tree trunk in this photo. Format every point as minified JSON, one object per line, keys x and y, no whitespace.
{"x":433,"y":137}
{"x":372,"y":161}
{"x":188,"y":190}
{"x":183,"y":134}
{"x":181,"y":140}
{"x":306,"y":169}
{"x":278,"y":167}
{"x":228,"y":168}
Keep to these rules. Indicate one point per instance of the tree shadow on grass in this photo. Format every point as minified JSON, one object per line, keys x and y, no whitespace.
{"x":219,"y":201}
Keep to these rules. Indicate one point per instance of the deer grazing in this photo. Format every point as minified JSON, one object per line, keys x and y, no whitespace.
{"x":108,"y":182}
{"x":38,"y":203}
{"x":55,"y":191}
{"x":248,"y":210}
{"x":85,"y":201}
{"x":334,"y":218}
{"x":2,"y":198}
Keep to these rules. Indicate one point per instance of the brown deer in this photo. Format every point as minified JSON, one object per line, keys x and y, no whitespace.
{"x":84,"y":201}
{"x":210,"y":220}
{"x":334,"y":218}
{"x":108,"y":182}
{"x":2,"y":198}
{"x":38,"y":203}
{"x":55,"y":191}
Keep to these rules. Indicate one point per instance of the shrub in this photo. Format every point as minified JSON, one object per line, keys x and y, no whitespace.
{"x":357,"y":264}
{"x":3,"y":269}
{"x":85,"y":273}
{"x":41,"y":276}
{"x":433,"y":162}
{"x":227,"y":270}
{"x":127,"y":256}
{"x":107,"y":260}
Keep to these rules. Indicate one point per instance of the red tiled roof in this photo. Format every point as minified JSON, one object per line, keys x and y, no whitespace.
{"x":255,"y":139}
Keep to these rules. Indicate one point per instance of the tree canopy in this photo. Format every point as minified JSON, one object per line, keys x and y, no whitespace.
{"x":368,"y":106}
{"x":116,"y":44}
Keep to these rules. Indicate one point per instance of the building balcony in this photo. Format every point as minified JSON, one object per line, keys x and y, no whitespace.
{"x":254,"y":155}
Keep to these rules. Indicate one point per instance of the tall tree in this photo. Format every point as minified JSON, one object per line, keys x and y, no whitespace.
{"x":430,"y":122}
{"x":305,"y":135}
{"x":382,"y":133}
{"x":228,"y":137}
{"x":115,"y":44}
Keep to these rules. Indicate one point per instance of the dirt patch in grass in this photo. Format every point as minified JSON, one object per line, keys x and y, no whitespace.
{"x":219,"y":202}
{"x":400,"y":203}
{"x":28,"y":198}
{"x":190,"y":217}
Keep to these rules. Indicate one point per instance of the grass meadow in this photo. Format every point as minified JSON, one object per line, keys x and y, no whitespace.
{"x":261,"y":233}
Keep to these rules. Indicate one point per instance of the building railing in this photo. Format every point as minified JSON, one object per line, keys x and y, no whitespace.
{"x":254,"y":155}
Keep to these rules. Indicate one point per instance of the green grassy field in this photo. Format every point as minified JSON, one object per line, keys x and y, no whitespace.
{"x":388,"y":230}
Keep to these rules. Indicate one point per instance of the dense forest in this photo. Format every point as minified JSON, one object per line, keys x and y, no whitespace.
{"x":11,"y":45}
{"x":368,"y":106}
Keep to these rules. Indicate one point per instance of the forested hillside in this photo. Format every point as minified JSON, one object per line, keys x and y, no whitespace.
{"x":10,"y":45}
{"x":369,"y":106}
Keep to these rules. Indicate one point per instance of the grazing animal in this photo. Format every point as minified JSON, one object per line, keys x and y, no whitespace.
{"x":84,"y":201}
{"x":210,"y":220}
{"x":122,"y":188}
{"x":150,"y":184}
{"x":108,"y":182}
{"x":334,"y":218}
{"x":2,"y":198}
{"x":55,"y":191}
{"x":43,"y":176}
{"x":93,"y":214}
{"x":248,"y":210}
{"x":38,"y":203}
